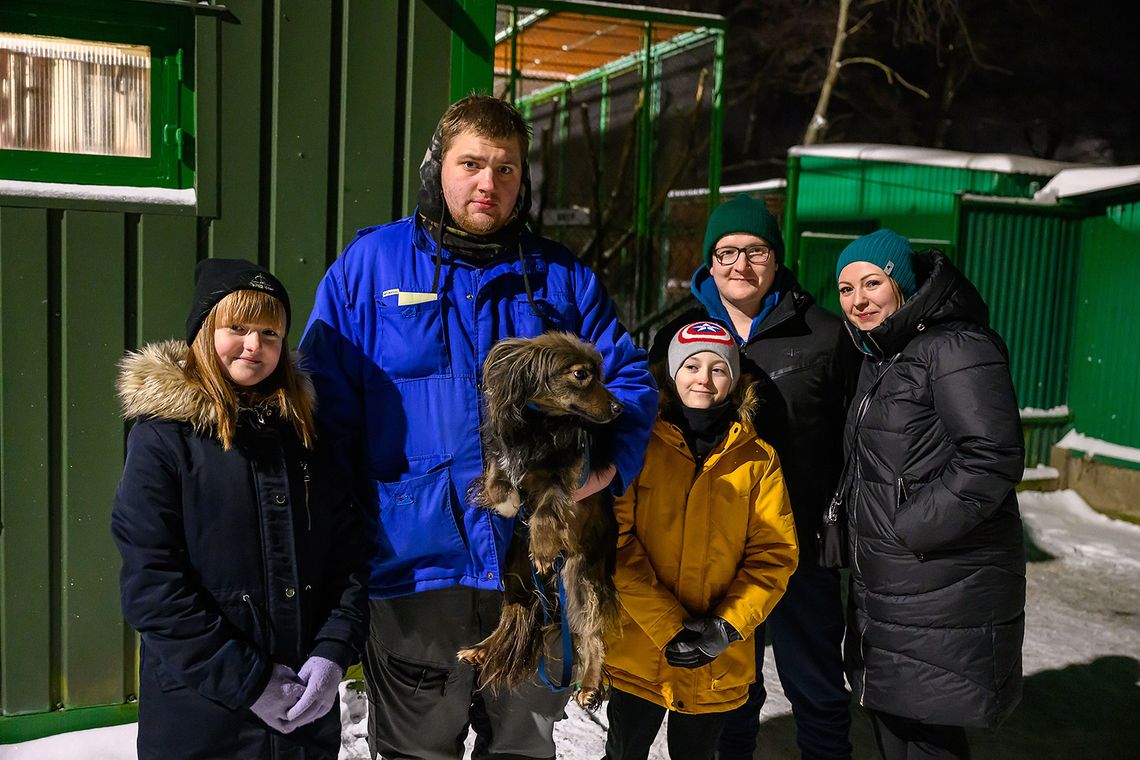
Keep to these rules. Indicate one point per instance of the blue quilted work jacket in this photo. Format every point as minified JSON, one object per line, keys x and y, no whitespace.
{"x":398,"y":368}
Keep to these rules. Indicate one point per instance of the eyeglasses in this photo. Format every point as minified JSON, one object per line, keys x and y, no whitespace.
{"x":756,"y":254}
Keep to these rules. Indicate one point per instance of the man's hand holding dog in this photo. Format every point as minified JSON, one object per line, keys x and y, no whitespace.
{"x":598,"y":480}
{"x":700,"y":642}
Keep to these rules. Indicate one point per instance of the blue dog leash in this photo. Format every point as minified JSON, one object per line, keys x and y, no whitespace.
{"x":564,"y":621}
{"x":547,"y":613}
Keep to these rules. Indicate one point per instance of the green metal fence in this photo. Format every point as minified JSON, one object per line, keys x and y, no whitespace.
{"x":1023,"y":260}
{"x":610,"y":142}
{"x":846,"y":188}
{"x":1105,"y":365}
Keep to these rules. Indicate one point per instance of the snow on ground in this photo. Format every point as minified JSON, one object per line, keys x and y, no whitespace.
{"x":1081,"y":653}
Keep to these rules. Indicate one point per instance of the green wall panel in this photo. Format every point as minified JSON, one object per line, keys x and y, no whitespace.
{"x":368,"y":159}
{"x":425,"y":101}
{"x":166,"y":255}
{"x":298,"y":199}
{"x":472,"y":48}
{"x":236,"y":232}
{"x":1106,"y":338}
{"x":1024,"y":264}
{"x":26,"y":558}
{"x":92,"y":335}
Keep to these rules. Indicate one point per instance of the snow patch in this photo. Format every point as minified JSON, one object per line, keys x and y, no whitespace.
{"x":1082,"y":443}
{"x":763,"y":186}
{"x":1040,"y":472}
{"x":156,"y":195}
{"x":1032,"y":413}
{"x":1063,"y":524}
{"x":1083,"y":181}
{"x":111,"y":743}
{"x":904,"y":154}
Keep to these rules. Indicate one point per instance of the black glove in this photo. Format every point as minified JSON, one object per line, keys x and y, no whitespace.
{"x":707,"y":638}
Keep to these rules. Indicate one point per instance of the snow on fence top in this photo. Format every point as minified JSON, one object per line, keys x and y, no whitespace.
{"x":1077,"y":442}
{"x":1057,"y":412}
{"x":763,"y":186}
{"x":156,"y":195}
{"x":952,"y":159}
{"x":1082,"y":181}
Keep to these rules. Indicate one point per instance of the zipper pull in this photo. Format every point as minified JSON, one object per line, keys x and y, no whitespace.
{"x":306,"y":478}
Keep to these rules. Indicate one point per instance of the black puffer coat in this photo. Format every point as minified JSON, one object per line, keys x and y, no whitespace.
{"x":232,"y":560}
{"x":805,"y":368}
{"x":938,"y":566}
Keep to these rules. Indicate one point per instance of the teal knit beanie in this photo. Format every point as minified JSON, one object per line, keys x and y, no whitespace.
{"x":743,"y":214}
{"x":887,"y":250}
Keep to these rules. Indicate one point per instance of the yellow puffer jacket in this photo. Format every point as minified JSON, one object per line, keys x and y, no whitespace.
{"x":720,"y":541}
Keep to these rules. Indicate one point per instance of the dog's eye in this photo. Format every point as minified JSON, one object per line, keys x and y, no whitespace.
{"x":581,"y":374}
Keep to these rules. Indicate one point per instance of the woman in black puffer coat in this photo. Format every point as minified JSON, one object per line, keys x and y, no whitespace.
{"x":244,"y":570}
{"x":934,"y":452}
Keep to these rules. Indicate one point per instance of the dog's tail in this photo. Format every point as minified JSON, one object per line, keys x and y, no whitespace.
{"x":513,"y":648}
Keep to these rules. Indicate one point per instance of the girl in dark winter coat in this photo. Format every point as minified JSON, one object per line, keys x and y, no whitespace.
{"x":934,"y":452}
{"x":242,"y":568}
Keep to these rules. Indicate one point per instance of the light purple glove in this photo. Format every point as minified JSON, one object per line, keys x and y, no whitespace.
{"x":281,"y":693}
{"x":322,"y":681}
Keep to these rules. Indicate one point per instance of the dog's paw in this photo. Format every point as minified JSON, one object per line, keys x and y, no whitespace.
{"x":509,"y":507}
{"x":473,"y":656}
{"x":589,"y":699}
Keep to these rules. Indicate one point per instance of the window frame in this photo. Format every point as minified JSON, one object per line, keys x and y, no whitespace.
{"x":169,"y":33}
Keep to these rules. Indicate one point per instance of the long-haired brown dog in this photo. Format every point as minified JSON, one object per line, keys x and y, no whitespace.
{"x":542,"y":394}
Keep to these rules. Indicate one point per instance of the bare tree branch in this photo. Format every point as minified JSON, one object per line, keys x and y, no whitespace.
{"x":818,"y":120}
{"x":890,"y":73}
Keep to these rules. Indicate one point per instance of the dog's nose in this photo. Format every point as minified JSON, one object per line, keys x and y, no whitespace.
{"x":615,"y":407}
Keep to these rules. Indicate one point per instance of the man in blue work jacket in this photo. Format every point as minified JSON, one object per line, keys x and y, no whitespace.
{"x":395,"y":344}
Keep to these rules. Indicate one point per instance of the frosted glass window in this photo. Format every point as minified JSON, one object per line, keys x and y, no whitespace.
{"x":71,"y":96}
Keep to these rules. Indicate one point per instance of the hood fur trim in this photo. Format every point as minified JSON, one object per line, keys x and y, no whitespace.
{"x":746,"y":396}
{"x":152,"y":384}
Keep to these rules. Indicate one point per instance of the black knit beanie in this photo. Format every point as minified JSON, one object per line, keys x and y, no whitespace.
{"x":214,"y":279}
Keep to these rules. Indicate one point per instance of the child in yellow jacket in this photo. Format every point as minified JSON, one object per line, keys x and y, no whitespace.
{"x":707,"y":544}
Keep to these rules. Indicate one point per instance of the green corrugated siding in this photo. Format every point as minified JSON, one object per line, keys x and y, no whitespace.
{"x":303,"y":108}
{"x":816,"y":273}
{"x":1106,"y":337}
{"x":916,"y":201}
{"x":1024,"y":264}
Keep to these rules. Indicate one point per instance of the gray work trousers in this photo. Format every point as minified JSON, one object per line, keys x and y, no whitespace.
{"x":422,"y":700}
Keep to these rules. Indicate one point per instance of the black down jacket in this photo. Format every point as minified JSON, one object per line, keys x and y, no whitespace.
{"x":232,"y":560}
{"x":805,"y":369}
{"x":938,"y":565}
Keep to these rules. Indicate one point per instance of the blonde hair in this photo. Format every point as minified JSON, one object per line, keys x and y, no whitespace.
{"x":284,"y":389}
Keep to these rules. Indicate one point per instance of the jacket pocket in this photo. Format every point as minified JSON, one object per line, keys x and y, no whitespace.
{"x":556,"y":314}
{"x":244,"y":613}
{"x":412,"y":340}
{"x":417,"y":518}
{"x":901,"y":493}
{"x":163,"y":679}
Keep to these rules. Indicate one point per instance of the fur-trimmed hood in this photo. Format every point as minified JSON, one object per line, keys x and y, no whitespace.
{"x":746,"y":397}
{"x":152,"y":384}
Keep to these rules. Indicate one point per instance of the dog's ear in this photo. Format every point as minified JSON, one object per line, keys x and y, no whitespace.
{"x":509,"y":380}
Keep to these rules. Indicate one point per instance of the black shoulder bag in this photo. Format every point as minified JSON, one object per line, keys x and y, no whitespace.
{"x":834,"y":548}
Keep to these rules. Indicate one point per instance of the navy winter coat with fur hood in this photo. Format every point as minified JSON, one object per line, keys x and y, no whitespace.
{"x":232,"y":560}
{"x":938,"y":566}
